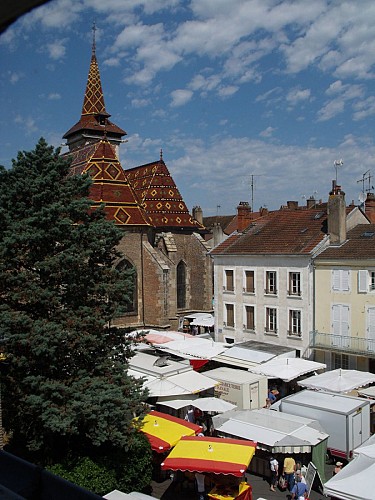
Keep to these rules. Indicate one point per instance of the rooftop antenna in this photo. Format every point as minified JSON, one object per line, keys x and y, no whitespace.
{"x":252,"y":188}
{"x":337,"y":164}
{"x":217,"y":209}
{"x":362,"y":195}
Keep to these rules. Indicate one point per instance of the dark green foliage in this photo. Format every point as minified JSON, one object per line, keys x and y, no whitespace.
{"x":125,"y":471}
{"x":65,"y":387}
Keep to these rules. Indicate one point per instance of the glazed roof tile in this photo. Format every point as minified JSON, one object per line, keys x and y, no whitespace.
{"x":94,"y":117}
{"x":360,"y":244}
{"x":286,"y":232}
{"x":159,"y":196}
{"x":110,"y":185}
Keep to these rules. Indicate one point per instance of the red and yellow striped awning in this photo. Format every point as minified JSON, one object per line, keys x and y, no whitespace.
{"x":164,"y":431}
{"x":207,"y":454}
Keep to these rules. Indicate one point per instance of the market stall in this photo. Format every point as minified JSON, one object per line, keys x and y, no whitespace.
{"x":164,"y":431}
{"x":224,"y":461}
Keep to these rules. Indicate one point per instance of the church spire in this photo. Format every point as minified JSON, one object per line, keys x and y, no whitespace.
{"x":93,"y":102}
{"x":94,"y":122}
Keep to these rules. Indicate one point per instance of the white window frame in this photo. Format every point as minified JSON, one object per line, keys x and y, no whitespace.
{"x":292,"y":285}
{"x":270,"y":290}
{"x":294,"y":332}
{"x":370,"y":328}
{"x":245,"y":325}
{"x":341,"y":280}
{"x":226,"y":315}
{"x":340,"y":323}
{"x":366,"y":281}
{"x":245,"y":281}
{"x":225,"y":282}
{"x":268,"y":321}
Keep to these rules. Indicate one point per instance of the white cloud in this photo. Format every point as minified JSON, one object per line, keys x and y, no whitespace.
{"x":180,"y":97}
{"x":54,"y":96}
{"x":14,"y":77}
{"x":331,"y":109}
{"x":268,"y":132}
{"x":297,"y":95}
{"x":57,"y":49}
{"x":27,"y":123}
{"x":365,"y":108}
{"x":140,"y":103}
{"x":228,"y":90}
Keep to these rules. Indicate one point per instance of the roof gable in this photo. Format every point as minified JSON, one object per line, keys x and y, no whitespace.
{"x":280,"y":232}
{"x":110,"y":185}
{"x":158,"y":195}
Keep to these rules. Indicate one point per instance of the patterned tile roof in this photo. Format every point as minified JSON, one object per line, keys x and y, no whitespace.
{"x":159,"y":196}
{"x":110,"y":186}
{"x":360,"y":244}
{"x":285,"y":232}
{"x":94,"y":117}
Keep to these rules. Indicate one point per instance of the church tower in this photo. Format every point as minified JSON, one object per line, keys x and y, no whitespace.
{"x":94,"y":123}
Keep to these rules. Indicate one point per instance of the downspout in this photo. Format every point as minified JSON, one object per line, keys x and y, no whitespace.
{"x":143,"y":291}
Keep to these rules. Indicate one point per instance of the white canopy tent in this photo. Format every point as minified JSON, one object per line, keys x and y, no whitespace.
{"x":134,"y":495}
{"x":188,"y":382}
{"x":368,"y":392}
{"x":197,"y":347}
{"x":273,"y":431}
{"x":354,"y":481}
{"x":287,"y":369}
{"x":204,"y":404}
{"x":339,"y":381}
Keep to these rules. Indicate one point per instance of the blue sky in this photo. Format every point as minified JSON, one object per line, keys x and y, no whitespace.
{"x":250,"y":100}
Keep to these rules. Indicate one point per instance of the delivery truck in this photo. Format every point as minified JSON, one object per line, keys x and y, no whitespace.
{"x":246,"y":390}
{"x":345,"y":418}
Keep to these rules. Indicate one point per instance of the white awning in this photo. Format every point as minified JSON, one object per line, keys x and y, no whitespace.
{"x":190,"y":382}
{"x":197,"y":347}
{"x":280,"y":433}
{"x":287,"y":369}
{"x":205,"y":404}
{"x":340,"y":381}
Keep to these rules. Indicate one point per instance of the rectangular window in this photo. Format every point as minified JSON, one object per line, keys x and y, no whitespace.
{"x":230,"y":315}
{"x":271,"y":283}
{"x":295,"y":323}
{"x":340,"y":325}
{"x":366,"y":281}
{"x":340,"y":361}
{"x":249,"y":319}
{"x":271,"y":320}
{"x":340,"y":280}
{"x":229,"y":280}
{"x":249,"y":282}
{"x":294,"y":283}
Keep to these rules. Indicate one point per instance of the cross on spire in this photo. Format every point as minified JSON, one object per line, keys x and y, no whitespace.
{"x":94,"y":28}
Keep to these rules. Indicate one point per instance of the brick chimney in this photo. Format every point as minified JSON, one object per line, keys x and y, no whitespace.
{"x":311,"y":202}
{"x":370,"y":207}
{"x":198,"y":214}
{"x":336,"y":210}
{"x":243,"y":215}
{"x":292,"y":205}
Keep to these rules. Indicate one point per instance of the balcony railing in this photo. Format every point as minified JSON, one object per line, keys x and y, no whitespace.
{"x":350,"y":345}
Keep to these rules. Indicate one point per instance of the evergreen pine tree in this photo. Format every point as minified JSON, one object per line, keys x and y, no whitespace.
{"x":66,"y":389}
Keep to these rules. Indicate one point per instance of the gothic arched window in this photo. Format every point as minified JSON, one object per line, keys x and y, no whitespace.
{"x":132,"y":304}
{"x":181,"y":285}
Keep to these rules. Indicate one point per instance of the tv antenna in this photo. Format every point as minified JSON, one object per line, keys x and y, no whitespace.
{"x":362,"y":195}
{"x":337,"y":164}
{"x":218,"y":209}
{"x":252,"y":188}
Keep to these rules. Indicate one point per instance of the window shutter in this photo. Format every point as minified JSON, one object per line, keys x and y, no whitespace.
{"x":345,"y":280}
{"x":336,"y":279}
{"x":362,"y":281}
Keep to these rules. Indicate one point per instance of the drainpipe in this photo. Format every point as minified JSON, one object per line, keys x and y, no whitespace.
{"x":143,"y":291}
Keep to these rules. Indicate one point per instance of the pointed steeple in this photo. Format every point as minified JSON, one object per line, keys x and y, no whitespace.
{"x":94,"y":123}
{"x":93,"y":102}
